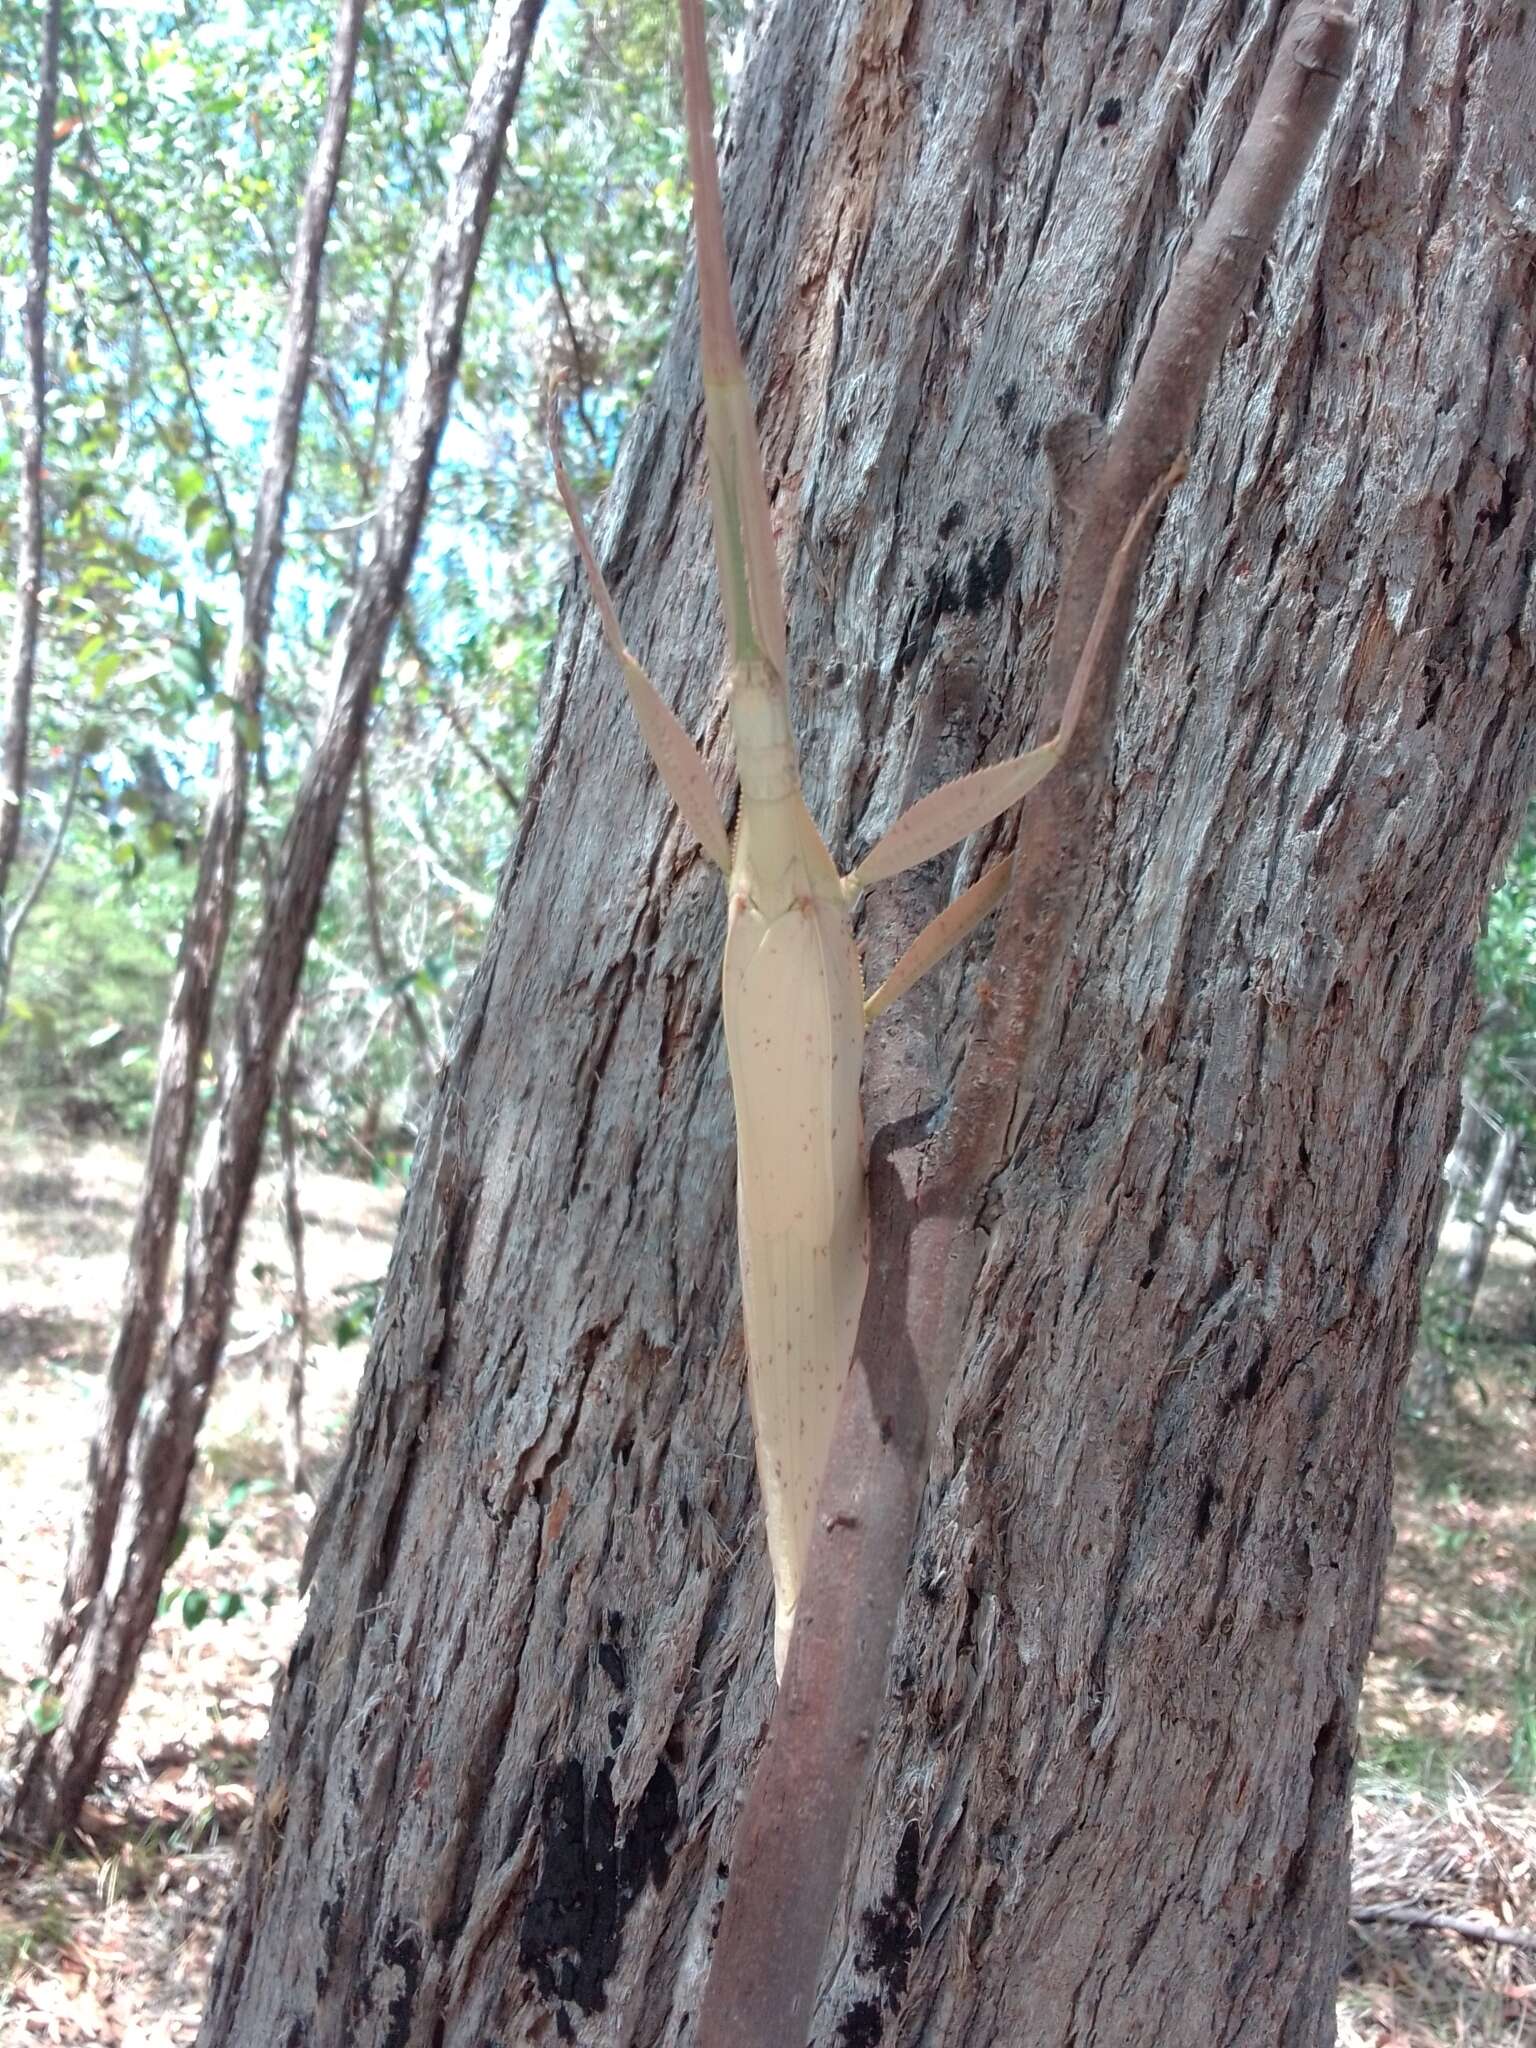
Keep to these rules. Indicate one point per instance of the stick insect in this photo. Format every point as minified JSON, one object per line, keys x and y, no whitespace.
{"x":793,"y":997}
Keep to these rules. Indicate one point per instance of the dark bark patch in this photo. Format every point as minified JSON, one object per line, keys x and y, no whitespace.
{"x":1209,"y":1495}
{"x":890,"y":1929}
{"x":1331,"y":1762}
{"x":861,"y":2026}
{"x":939,"y":598}
{"x":1109,"y":112}
{"x":617,"y":1723}
{"x":567,"y":1932}
{"x":986,"y":576}
{"x":986,"y":1915}
{"x":1007,"y":400}
{"x":612,"y":1660}
{"x":329,"y":1917}
{"x":588,"y":1880}
{"x":644,"y":1855}
{"x":980,"y":583}
{"x":401,"y":1950}
{"x":1509,"y":498}
{"x":952,"y":521}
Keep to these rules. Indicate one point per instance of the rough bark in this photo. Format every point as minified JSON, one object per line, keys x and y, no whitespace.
{"x":21,"y":665}
{"x":793,"y":1840}
{"x":184,"y":1038}
{"x":56,"y":1771}
{"x":1485,"y":1224}
{"x":1108,"y":1799}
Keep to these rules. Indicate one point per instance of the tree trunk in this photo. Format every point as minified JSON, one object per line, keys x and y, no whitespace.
{"x":56,"y":1771}
{"x":293,"y":1230}
{"x":1462,"y":1169}
{"x":21,"y":668}
{"x":184,"y":1039}
{"x":1485,"y":1225}
{"x":42,"y":875}
{"x":1108,"y":1798}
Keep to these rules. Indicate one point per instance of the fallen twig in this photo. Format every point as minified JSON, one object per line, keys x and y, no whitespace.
{"x":1447,"y":1923}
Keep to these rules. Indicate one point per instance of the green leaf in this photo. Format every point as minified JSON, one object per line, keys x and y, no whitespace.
{"x":194,"y":1607}
{"x":47,"y":1708}
{"x":227,"y":1605}
{"x":217,"y":1531}
{"x":248,"y":1489}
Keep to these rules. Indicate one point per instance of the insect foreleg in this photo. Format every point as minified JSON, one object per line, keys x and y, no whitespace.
{"x":941,"y":935}
{"x":679,"y":760}
{"x":952,"y":813}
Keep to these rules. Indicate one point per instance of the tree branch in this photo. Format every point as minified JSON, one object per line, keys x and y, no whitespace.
{"x":162,"y":1447}
{"x":10,"y":933}
{"x":293,"y":1229}
{"x":578,"y":349}
{"x":442,"y":701}
{"x":1446,"y":1923}
{"x":21,"y":668}
{"x":140,"y":262}
{"x":788,"y":1859}
{"x":204,"y":933}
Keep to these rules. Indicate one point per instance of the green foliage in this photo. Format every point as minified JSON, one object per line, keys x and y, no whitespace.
{"x":1503,"y":1063}
{"x":194,"y":1604}
{"x":355,"y":1322}
{"x":92,"y":977}
{"x":186,"y":133}
{"x":45,"y":1709}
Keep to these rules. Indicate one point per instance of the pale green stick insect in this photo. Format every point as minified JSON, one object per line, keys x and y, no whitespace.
{"x":793,"y":990}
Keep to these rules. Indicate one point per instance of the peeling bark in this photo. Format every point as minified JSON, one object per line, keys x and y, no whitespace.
{"x":1108,"y":1798}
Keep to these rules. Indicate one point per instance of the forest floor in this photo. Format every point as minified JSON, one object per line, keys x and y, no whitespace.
{"x":111,"y":1943}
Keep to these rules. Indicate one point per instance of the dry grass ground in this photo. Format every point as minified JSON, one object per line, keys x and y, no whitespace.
{"x":1445,"y":1813}
{"x":111,"y":1943}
